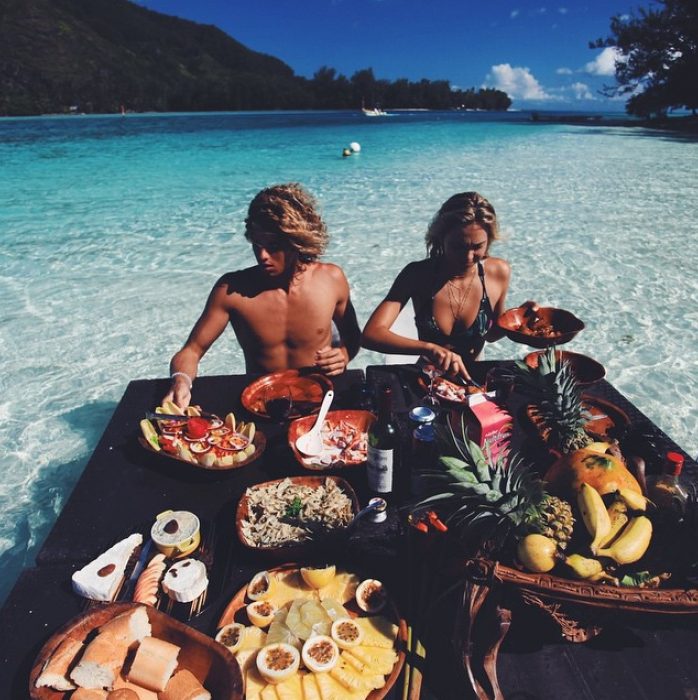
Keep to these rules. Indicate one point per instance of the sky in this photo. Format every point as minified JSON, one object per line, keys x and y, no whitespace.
{"x":537,"y":52}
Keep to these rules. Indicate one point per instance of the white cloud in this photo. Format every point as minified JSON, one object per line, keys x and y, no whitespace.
{"x":604,"y":63}
{"x":581,"y":91}
{"x":564,"y":71}
{"x":518,"y":83}
{"x":562,"y":10}
{"x":513,"y":14}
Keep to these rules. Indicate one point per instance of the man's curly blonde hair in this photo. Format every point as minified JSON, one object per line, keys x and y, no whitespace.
{"x":291,"y":211}
{"x":461,"y":210}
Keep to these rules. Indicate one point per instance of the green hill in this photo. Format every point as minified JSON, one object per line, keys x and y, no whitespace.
{"x":97,"y":55}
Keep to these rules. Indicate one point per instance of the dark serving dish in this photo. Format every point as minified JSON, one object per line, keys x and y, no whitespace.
{"x":585,"y":369}
{"x":516,"y":323}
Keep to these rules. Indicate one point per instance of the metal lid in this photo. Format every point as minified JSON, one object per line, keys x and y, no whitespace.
{"x":422,"y":414}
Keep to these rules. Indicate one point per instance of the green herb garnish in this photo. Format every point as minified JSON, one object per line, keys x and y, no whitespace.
{"x":294,"y":509}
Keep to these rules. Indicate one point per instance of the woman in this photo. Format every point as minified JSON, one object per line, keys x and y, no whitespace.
{"x":458,"y":292}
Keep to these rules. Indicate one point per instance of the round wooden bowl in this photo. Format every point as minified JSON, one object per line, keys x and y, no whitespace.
{"x":584,"y":369}
{"x":212,"y":664}
{"x":566,"y":325}
{"x":361,"y":420}
{"x":235,"y":612}
{"x":302,"y":549}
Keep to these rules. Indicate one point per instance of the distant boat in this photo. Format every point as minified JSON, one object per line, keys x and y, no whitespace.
{"x":375,"y":112}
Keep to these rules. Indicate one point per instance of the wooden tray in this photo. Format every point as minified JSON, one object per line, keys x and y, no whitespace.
{"x":362,"y":420}
{"x":238,"y":603}
{"x":260,"y":442}
{"x":307,"y":389}
{"x":212,"y":664}
{"x":585,"y":369}
{"x":566,"y":323}
{"x":294,"y":550}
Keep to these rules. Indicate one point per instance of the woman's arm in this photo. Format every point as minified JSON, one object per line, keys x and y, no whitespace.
{"x":500,"y":271}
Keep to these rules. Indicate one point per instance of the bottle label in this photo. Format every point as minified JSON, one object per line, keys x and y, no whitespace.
{"x":379,"y":469}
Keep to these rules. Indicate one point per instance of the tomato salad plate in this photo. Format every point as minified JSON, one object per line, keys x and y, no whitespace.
{"x":315,"y":632}
{"x":201,"y":439}
{"x":302,"y":390}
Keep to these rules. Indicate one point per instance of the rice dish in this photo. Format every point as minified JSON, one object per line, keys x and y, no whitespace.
{"x":287,"y":513}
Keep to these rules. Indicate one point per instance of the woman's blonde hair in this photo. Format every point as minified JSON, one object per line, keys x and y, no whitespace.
{"x":461,"y":210}
{"x":291,"y":211}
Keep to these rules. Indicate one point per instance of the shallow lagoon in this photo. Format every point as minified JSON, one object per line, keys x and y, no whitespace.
{"x":112,"y":231}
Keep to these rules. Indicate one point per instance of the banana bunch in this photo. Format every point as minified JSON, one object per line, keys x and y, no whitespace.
{"x":616,"y":534}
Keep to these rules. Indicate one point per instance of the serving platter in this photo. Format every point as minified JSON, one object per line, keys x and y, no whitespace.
{"x":520,"y":328}
{"x":341,"y":427}
{"x":306,"y":387}
{"x":585,"y":369}
{"x":293,"y":549}
{"x":289,"y":574}
{"x":210,"y":662}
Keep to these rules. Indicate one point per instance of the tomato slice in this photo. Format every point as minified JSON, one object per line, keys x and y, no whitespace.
{"x":197,"y":428}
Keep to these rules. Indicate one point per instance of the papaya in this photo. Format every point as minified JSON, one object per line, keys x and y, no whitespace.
{"x":605,"y":472}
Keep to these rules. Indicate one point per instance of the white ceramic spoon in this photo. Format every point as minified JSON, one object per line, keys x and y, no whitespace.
{"x":310,"y":444}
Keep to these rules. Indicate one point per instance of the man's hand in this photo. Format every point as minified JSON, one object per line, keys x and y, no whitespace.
{"x":179,"y":393}
{"x":331,"y":361}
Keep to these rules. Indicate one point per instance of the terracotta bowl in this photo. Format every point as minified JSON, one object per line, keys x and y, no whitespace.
{"x":565,"y":324}
{"x":361,"y":420}
{"x":212,"y":664}
{"x":299,"y":549}
{"x":585,"y":369}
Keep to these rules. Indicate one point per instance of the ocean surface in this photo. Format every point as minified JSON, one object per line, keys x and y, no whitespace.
{"x":113,"y":230}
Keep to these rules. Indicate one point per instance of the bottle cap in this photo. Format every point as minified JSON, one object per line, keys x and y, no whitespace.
{"x":380,"y":513}
{"x":422,"y":414}
{"x":674,"y":463}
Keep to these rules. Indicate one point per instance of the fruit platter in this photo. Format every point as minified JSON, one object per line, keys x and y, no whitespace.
{"x":543,"y":328}
{"x":201,"y":439}
{"x":315,"y":632}
{"x":579,"y":533}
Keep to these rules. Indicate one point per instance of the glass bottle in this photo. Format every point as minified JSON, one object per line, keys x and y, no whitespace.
{"x":423,"y":445}
{"x":666,"y":491}
{"x":383,"y":446}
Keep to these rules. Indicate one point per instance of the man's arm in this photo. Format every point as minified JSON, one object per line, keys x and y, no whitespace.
{"x":185,"y":363}
{"x":333,"y":360}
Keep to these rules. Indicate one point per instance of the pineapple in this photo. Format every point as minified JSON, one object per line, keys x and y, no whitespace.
{"x":557,"y":399}
{"x":492,"y":500}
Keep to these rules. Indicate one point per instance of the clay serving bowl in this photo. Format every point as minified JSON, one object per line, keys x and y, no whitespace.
{"x":357,"y":419}
{"x":516,"y":324}
{"x":585,"y":369}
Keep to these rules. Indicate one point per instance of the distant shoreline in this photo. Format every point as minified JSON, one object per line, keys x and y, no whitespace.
{"x":686,"y":124}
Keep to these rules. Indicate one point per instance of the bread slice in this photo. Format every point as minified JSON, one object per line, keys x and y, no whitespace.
{"x":184,"y":685}
{"x":100,"y":664}
{"x":129,"y":627}
{"x":54,"y":674}
{"x":123,"y":694}
{"x":100,"y":579}
{"x":154,"y":663}
{"x":186,"y":580}
{"x":142,"y":693}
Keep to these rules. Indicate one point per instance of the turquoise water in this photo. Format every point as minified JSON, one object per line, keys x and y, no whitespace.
{"x":112,"y":231}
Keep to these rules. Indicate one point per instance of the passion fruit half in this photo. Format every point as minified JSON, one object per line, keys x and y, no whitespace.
{"x":320,"y":654}
{"x":231,"y":636}
{"x":261,"y":613}
{"x":347,"y":633}
{"x":277,"y":662}
{"x":260,"y":587}
{"x":371,"y":596}
{"x":318,"y":577}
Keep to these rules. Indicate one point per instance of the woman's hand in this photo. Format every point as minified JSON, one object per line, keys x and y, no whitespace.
{"x":447,"y":360}
{"x":179,"y":393}
{"x":331,"y":361}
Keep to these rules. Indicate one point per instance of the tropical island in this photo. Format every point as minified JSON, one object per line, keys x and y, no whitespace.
{"x":106,"y":56}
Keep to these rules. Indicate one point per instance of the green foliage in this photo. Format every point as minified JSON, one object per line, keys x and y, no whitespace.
{"x":659,"y":57}
{"x":96,"y":55}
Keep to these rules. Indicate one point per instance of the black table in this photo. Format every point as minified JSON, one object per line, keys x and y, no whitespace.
{"x":124,"y":487}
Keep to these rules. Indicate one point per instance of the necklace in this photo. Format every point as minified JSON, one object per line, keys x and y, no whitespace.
{"x":456,"y":302}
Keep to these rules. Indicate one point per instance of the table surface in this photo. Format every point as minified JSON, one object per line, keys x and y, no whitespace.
{"x":124,"y":487}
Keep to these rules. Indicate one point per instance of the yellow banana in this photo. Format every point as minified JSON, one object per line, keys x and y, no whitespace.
{"x":594,"y":514}
{"x":618,"y":513}
{"x":583,"y":567}
{"x":632,"y":542}
{"x":632,"y":499}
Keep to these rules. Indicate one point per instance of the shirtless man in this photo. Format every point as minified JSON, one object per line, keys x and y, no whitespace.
{"x":281,"y":310}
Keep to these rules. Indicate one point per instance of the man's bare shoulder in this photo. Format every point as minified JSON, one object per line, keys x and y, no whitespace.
{"x":239,"y":281}
{"x":328,"y":272}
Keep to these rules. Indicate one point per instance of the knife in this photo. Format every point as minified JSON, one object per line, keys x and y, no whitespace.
{"x":137,"y":569}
